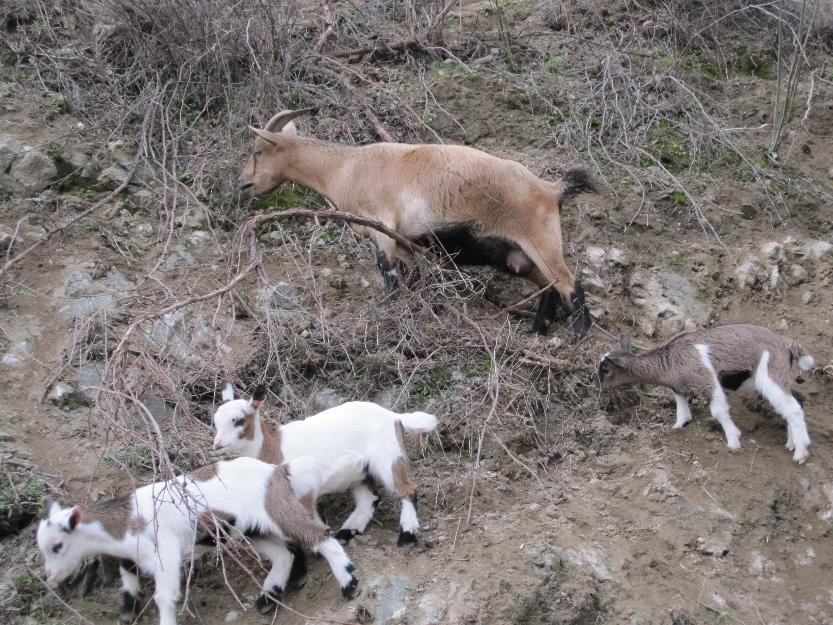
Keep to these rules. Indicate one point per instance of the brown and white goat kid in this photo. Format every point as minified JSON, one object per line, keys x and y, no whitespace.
{"x":331,"y":452}
{"x":482,"y":209}
{"x":705,"y":362}
{"x":154,"y":528}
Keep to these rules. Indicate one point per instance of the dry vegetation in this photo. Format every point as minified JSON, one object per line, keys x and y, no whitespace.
{"x":643,"y":93}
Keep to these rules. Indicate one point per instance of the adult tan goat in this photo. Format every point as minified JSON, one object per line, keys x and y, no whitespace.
{"x":481,"y":209}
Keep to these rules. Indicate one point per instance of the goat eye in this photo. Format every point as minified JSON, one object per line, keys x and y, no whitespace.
{"x":238,"y":422}
{"x":57,"y":548}
{"x":258,"y":153}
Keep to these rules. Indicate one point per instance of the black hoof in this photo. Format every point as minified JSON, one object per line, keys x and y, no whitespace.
{"x":406,"y":539}
{"x":351,"y":590}
{"x":267,"y":602}
{"x":130,"y":607}
{"x":344,"y":536}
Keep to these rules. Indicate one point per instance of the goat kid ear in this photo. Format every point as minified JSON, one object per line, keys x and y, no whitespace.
{"x":625,"y":342}
{"x":74,"y":518}
{"x":228,"y":392}
{"x":269,"y":137}
{"x":258,"y":396}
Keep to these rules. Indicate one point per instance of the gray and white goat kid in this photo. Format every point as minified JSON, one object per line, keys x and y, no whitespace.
{"x":157,"y":526}
{"x":333,"y":451}
{"x":705,"y":362}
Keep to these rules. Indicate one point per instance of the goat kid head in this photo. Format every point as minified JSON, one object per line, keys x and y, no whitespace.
{"x":267,"y":167}
{"x":614,"y":369}
{"x":235,"y":419}
{"x":63,"y":546}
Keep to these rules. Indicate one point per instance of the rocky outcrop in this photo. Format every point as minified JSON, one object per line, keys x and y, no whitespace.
{"x":24,"y":170}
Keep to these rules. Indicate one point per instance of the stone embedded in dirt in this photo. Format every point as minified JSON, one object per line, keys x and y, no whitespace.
{"x":180,"y":258}
{"x":280,"y":301}
{"x":796,"y":275}
{"x":595,"y":256}
{"x":750,"y":273}
{"x":617,"y":257}
{"x":392,"y":598}
{"x":232,"y":616}
{"x":24,"y":170}
{"x":18,"y":354}
{"x":91,"y":295}
{"x":773,"y":250}
{"x":819,"y":249}
{"x":670,"y":303}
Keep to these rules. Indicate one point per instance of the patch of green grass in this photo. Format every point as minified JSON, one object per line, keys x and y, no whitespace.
{"x":442,"y":71}
{"x":288,"y":196}
{"x":678,"y":259}
{"x":20,"y":501}
{"x":428,"y":114}
{"x":53,"y":106}
{"x":6,"y":88}
{"x":325,"y":236}
{"x":671,"y":148}
{"x":435,"y":382}
{"x":680,"y":198}
{"x":556,"y":64}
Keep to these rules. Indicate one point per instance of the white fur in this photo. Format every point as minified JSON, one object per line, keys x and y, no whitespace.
{"x":408,"y":520}
{"x":363,"y":512}
{"x":343,"y":445}
{"x":683,"y":412}
{"x":165,"y":514}
{"x":787,"y":406}
{"x":806,"y":362}
{"x":719,"y":405}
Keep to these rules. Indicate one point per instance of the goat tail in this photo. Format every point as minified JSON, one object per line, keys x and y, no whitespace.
{"x":575,"y":181}
{"x":805,"y":360}
{"x":421,"y":422}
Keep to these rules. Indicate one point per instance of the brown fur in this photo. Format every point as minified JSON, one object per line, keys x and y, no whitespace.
{"x":288,"y":513}
{"x":402,"y":484}
{"x":733,"y":348}
{"x":415,"y":189}
{"x":204,"y":473}
{"x":248,"y":432}
{"x":114,"y":514}
{"x":270,"y":451}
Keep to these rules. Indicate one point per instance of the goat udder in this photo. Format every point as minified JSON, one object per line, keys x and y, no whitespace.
{"x":518,"y":262}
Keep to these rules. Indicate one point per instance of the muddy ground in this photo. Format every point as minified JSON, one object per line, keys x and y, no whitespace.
{"x":551,"y":503}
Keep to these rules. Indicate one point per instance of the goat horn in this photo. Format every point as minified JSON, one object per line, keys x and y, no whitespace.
{"x":284,"y":117}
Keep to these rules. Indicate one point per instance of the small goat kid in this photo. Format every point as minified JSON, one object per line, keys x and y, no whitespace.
{"x":483,"y":209}
{"x":705,"y":362}
{"x":331,"y":452}
{"x":158,"y":525}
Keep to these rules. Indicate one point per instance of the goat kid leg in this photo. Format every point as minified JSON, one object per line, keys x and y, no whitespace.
{"x":166,"y":578}
{"x":340,"y":565}
{"x":386,"y":262}
{"x":719,"y":407}
{"x":357,"y":522}
{"x":683,"y":412}
{"x":787,"y":406}
{"x":275,"y":583}
{"x":131,"y":590}
{"x":398,"y":479}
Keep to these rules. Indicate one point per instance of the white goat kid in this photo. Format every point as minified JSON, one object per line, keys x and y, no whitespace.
{"x":331,"y":452}
{"x":154,"y":528}
{"x":705,"y":362}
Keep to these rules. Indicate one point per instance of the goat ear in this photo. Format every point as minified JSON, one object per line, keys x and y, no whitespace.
{"x":625,"y":342}
{"x":228,"y":392}
{"x":48,"y":505}
{"x":290,"y":129}
{"x":74,"y":518}
{"x":258,"y":396}
{"x":265,"y":135}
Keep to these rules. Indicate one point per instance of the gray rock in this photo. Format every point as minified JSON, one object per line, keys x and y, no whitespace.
{"x":180,"y":258}
{"x":595,"y":256}
{"x":89,"y":378}
{"x":773,"y":250}
{"x":796,"y":275}
{"x":18,"y":354}
{"x":326,"y":398}
{"x":819,"y":249}
{"x":751,"y":273}
{"x":93,"y":295}
{"x":113,"y":174}
{"x":24,"y":170}
{"x":670,"y":303}
{"x":192,"y":217}
{"x":280,"y":301}
{"x":67,"y":397}
{"x":158,"y":407}
{"x":392,"y":599}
